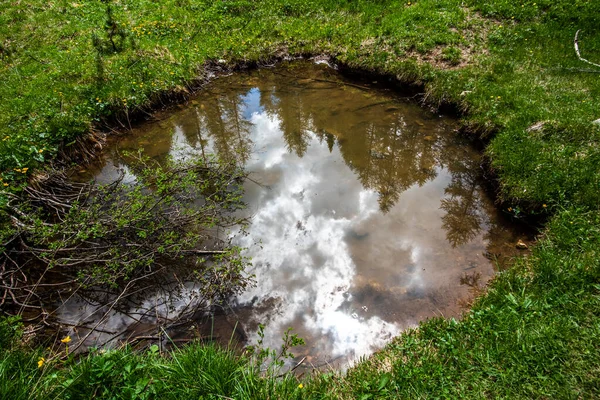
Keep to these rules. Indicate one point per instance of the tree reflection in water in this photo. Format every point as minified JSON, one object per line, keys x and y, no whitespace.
{"x":388,"y":153}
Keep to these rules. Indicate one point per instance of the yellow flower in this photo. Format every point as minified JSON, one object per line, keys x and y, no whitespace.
{"x":509,"y":208}
{"x":41,"y":362}
{"x":300,"y":386}
{"x":5,"y":184}
{"x":66,"y":339}
{"x":543,"y":205}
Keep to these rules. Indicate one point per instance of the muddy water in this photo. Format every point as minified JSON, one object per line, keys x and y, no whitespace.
{"x":367,"y":212}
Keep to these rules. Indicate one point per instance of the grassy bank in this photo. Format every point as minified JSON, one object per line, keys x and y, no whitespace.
{"x":509,"y":67}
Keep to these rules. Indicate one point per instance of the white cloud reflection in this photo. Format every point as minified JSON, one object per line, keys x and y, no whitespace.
{"x":302,"y":219}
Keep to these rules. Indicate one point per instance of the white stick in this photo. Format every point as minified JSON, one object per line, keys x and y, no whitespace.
{"x":576,"y":43}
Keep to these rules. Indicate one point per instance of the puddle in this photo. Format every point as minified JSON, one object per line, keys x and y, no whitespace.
{"x":367,"y":214}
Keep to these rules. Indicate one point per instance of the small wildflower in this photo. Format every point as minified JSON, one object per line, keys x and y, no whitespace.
{"x":300,"y":386}
{"x":41,"y":362}
{"x":5,"y":184}
{"x":66,"y":339}
{"x":509,"y":208}
{"x":543,"y":205}
{"x":40,"y":151}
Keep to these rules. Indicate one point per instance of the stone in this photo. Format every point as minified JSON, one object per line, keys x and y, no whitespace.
{"x":521,"y":245}
{"x":537,"y":126}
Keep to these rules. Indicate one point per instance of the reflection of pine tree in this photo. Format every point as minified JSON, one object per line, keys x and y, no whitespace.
{"x":240,"y":127}
{"x":293,"y":123}
{"x":327,"y":137}
{"x":230,"y":132}
{"x":389,"y":157}
{"x":330,"y":141}
{"x":198,"y":140}
{"x":462,"y":221}
{"x":268,"y":100}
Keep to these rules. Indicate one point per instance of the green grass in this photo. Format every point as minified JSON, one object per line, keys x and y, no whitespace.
{"x":198,"y":371}
{"x":508,"y":66}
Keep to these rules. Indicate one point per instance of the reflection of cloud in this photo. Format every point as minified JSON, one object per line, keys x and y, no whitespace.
{"x":111,"y":172}
{"x":350,"y":335}
{"x":180,"y":147}
{"x":272,"y":148}
{"x":168,"y":303}
{"x":301,"y":222}
{"x":251,"y":103}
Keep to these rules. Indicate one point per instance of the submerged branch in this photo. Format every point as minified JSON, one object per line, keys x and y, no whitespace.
{"x":113,"y":235}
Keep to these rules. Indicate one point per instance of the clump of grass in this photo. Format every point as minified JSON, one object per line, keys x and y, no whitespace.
{"x":20,"y":377}
{"x":197,"y":371}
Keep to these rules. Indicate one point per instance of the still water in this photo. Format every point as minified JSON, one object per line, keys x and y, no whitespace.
{"x":367,"y":212}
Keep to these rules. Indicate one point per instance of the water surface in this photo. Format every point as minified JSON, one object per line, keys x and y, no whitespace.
{"x":367,"y":212}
